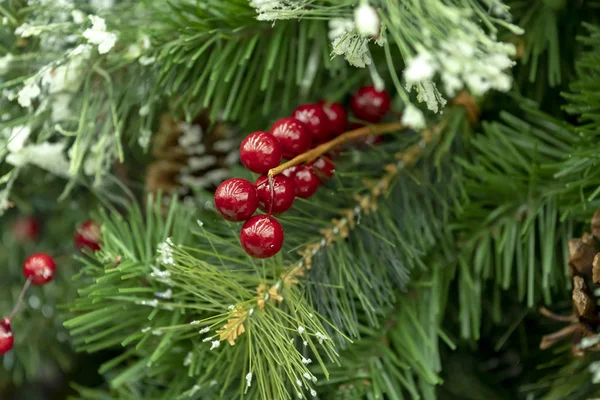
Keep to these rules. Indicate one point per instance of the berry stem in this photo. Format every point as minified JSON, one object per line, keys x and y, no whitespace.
{"x":313,"y":154}
{"x":20,"y":299}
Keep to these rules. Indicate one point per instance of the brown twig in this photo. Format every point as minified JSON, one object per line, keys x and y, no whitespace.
{"x":549,"y":340}
{"x":560,"y":318}
{"x":21,"y":297}
{"x":313,"y":154}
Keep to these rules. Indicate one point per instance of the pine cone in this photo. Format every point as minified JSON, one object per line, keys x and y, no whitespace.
{"x":190,"y":156}
{"x":581,"y":255}
{"x":584,"y":305}
{"x":596,"y":224}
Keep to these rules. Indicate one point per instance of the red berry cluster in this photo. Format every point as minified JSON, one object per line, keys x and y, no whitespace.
{"x":39,"y":268}
{"x":237,"y":199}
{"x":87,"y":236}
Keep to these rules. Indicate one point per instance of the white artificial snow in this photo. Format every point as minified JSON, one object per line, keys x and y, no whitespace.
{"x":102,"y":4}
{"x":321,"y":337}
{"x":249,"y":379}
{"x":165,"y":295}
{"x":147,"y":60}
{"x":29,"y":92}
{"x":588,"y":342}
{"x":306,"y":361}
{"x":165,"y":253}
{"x":98,"y":35}
{"x":215,"y":344}
{"x":5,"y":63}
{"x":354,"y":48}
{"x":300,"y":330}
{"x":27,"y":30}
{"x":474,"y":62}
{"x":420,"y":68}
{"x":16,"y":137}
{"x":48,"y":156}
{"x":78,"y":16}
{"x":367,"y":20}
{"x":65,"y":78}
{"x":188,"y":359}
{"x":595,"y":370}
{"x":144,"y":110}
{"x":60,"y":107}
{"x":271,"y":10}
{"x":413,"y":117}
{"x":339,"y":26}
{"x":193,"y":390}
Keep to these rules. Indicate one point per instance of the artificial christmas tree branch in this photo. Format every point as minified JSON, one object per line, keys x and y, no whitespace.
{"x":366,"y":204}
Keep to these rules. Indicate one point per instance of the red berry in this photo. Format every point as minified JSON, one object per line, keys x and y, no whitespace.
{"x":369,"y":104}
{"x":315,"y":119}
{"x":338,"y":119}
{"x":40,"y":268}
{"x":291,"y":171}
{"x":293,"y":135}
{"x":6,"y":337}
{"x":87,"y":236}
{"x":236,"y":199}
{"x":373,"y":140}
{"x":306,"y":181}
{"x":323,"y":167}
{"x":283,"y":193}
{"x":262,"y":236}
{"x":260,"y":151}
{"x":26,"y":229}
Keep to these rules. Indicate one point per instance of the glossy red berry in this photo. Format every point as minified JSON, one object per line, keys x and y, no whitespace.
{"x":7,"y":340}
{"x":293,"y":135}
{"x":236,"y":199}
{"x":370,"y":104}
{"x":315,"y":119}
{"x":260,"y":151}
{"x":26,"y":229}
{"x":87,"y":236}
{"x":323,"y":167}
{"x":338,"y":119}
{"x":262,"y":236}
{"x":291,"y":171}
{"x":306,"y":182}
{"x":40,"y":267}
{"x":283,"y":193}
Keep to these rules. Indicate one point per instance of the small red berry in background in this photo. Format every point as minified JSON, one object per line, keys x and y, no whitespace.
{"x":369,"y":104}
{"x":338,"y":119}
{"x":87,"y":236}
{"x":306,"y":182}
{"x":283,"y":193}
{"x":40,"y":267}
{"x":260,"y":151}
{"x":315,"y":119}
{"x":26,"y":229}
{"x":7,"y":340}
{"x":294,"y":136}
{"x":236,"y":199}
{"x":323,"y":167}
{"x":262,"y":236}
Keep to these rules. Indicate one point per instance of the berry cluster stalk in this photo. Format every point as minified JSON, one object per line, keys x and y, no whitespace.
{"x":313,"y":154}
{"x":20,"y":299}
